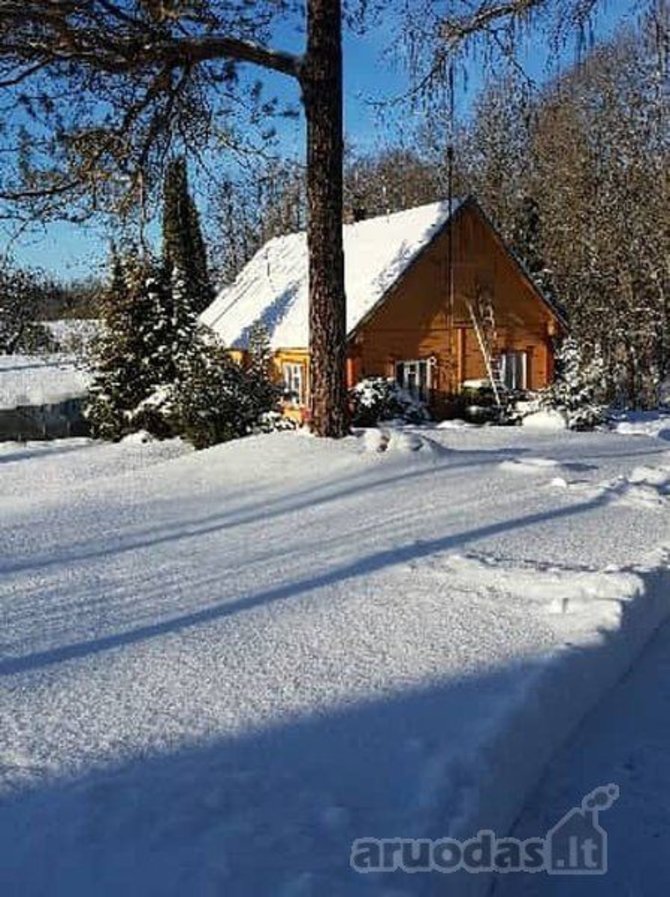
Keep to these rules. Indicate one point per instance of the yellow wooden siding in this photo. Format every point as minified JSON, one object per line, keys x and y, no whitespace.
{"x":292,"y":356}
{"x":418,"y":321}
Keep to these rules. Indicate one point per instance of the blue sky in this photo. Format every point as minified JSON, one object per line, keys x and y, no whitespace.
{"x":70,"y":251}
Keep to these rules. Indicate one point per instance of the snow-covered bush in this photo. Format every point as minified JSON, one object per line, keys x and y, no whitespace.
{"x":479,"y":402}
{"x":155,"y":414}
{"x":274,"y":422}
{"x":578,"y":388}
{"x":215,"y":399}
{"x":480,"y":405}
{"x":375,"y":399}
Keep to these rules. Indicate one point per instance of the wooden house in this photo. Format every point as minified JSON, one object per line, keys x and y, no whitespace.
{"x":434,"y":299}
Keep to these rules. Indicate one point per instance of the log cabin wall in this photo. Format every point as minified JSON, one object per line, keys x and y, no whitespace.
{"x":417,"y":320}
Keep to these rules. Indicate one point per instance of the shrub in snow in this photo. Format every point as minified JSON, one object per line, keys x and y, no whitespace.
{"x":376,"y":399}
{"x":214,"y":399}
{"x":210,"y":397}
{"x":578,"y":386}
{"x":155,"y":414}
{"x":274,"y":422}
{"x":481,"y":406}
{"x":479,"y":403}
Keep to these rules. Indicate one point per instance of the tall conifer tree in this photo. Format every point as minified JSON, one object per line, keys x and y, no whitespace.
{"x":183,"y":245}
{"x":128,"y":352}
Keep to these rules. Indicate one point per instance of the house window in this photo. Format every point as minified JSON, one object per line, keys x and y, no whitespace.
{"x":414,"y":377}
{"x":514,"y":370}
{"x":294,"y":383}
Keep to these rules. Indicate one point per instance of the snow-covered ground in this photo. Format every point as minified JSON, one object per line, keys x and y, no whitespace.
{"x":40,"y":380}
{"x":220,"y":668}
{"x":625,"y":740}
{"x":74,"y":335}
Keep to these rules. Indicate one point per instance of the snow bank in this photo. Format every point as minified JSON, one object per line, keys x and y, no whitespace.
{"x":454,"y":424}
{"x":643,"y":423}
{"x":644,"y":485}
{"x":603,"y":620}
{"x":549,"y":419}
{"x":395,"y":439}
{"x":40,"y":380}
{"x":139,"y":437}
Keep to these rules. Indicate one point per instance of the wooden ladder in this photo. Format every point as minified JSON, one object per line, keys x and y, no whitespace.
{"x":483,"y":317}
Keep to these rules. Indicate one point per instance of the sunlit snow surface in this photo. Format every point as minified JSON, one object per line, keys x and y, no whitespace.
{"x":218,"y":668}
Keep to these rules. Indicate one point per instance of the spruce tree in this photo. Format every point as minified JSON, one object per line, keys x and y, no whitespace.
{"x":215,"y":399}
{"x":183,"y":245}
{"x":128,"y":350}
{"x":578,"y":390}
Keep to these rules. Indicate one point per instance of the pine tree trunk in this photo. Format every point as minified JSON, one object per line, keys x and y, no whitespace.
{"x":321,"y":80}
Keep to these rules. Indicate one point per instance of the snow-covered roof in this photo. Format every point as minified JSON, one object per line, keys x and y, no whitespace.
{"x":273,"y":286}
{"x":39,"y":380}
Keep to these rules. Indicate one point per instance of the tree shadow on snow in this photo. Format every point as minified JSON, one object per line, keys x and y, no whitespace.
{"x":252,"y":512}
{"x":273,"y":812}
{"x":361,"y":567}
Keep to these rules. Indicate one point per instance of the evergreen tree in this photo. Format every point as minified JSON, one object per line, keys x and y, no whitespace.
{"x":184,"y":321}
{"x":578,"y":390}
{"x":129,"y":348}
{"x":215,"y":399}
{"x":260,"y":351}
{"x":259,"y":371}
{"x":183,"y":245}
{"x":158,"y":371}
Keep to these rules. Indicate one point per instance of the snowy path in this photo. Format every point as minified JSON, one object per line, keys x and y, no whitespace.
{"x":626,"y":740}
{"x":217,"y":669}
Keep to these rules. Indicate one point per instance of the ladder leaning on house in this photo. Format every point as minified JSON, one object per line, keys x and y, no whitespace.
{"x":483,"y":317}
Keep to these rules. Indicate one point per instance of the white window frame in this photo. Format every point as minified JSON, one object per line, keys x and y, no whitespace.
{"x":427,"y":386}
{"x":293,"y":376}
{"x":508,"y":375}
